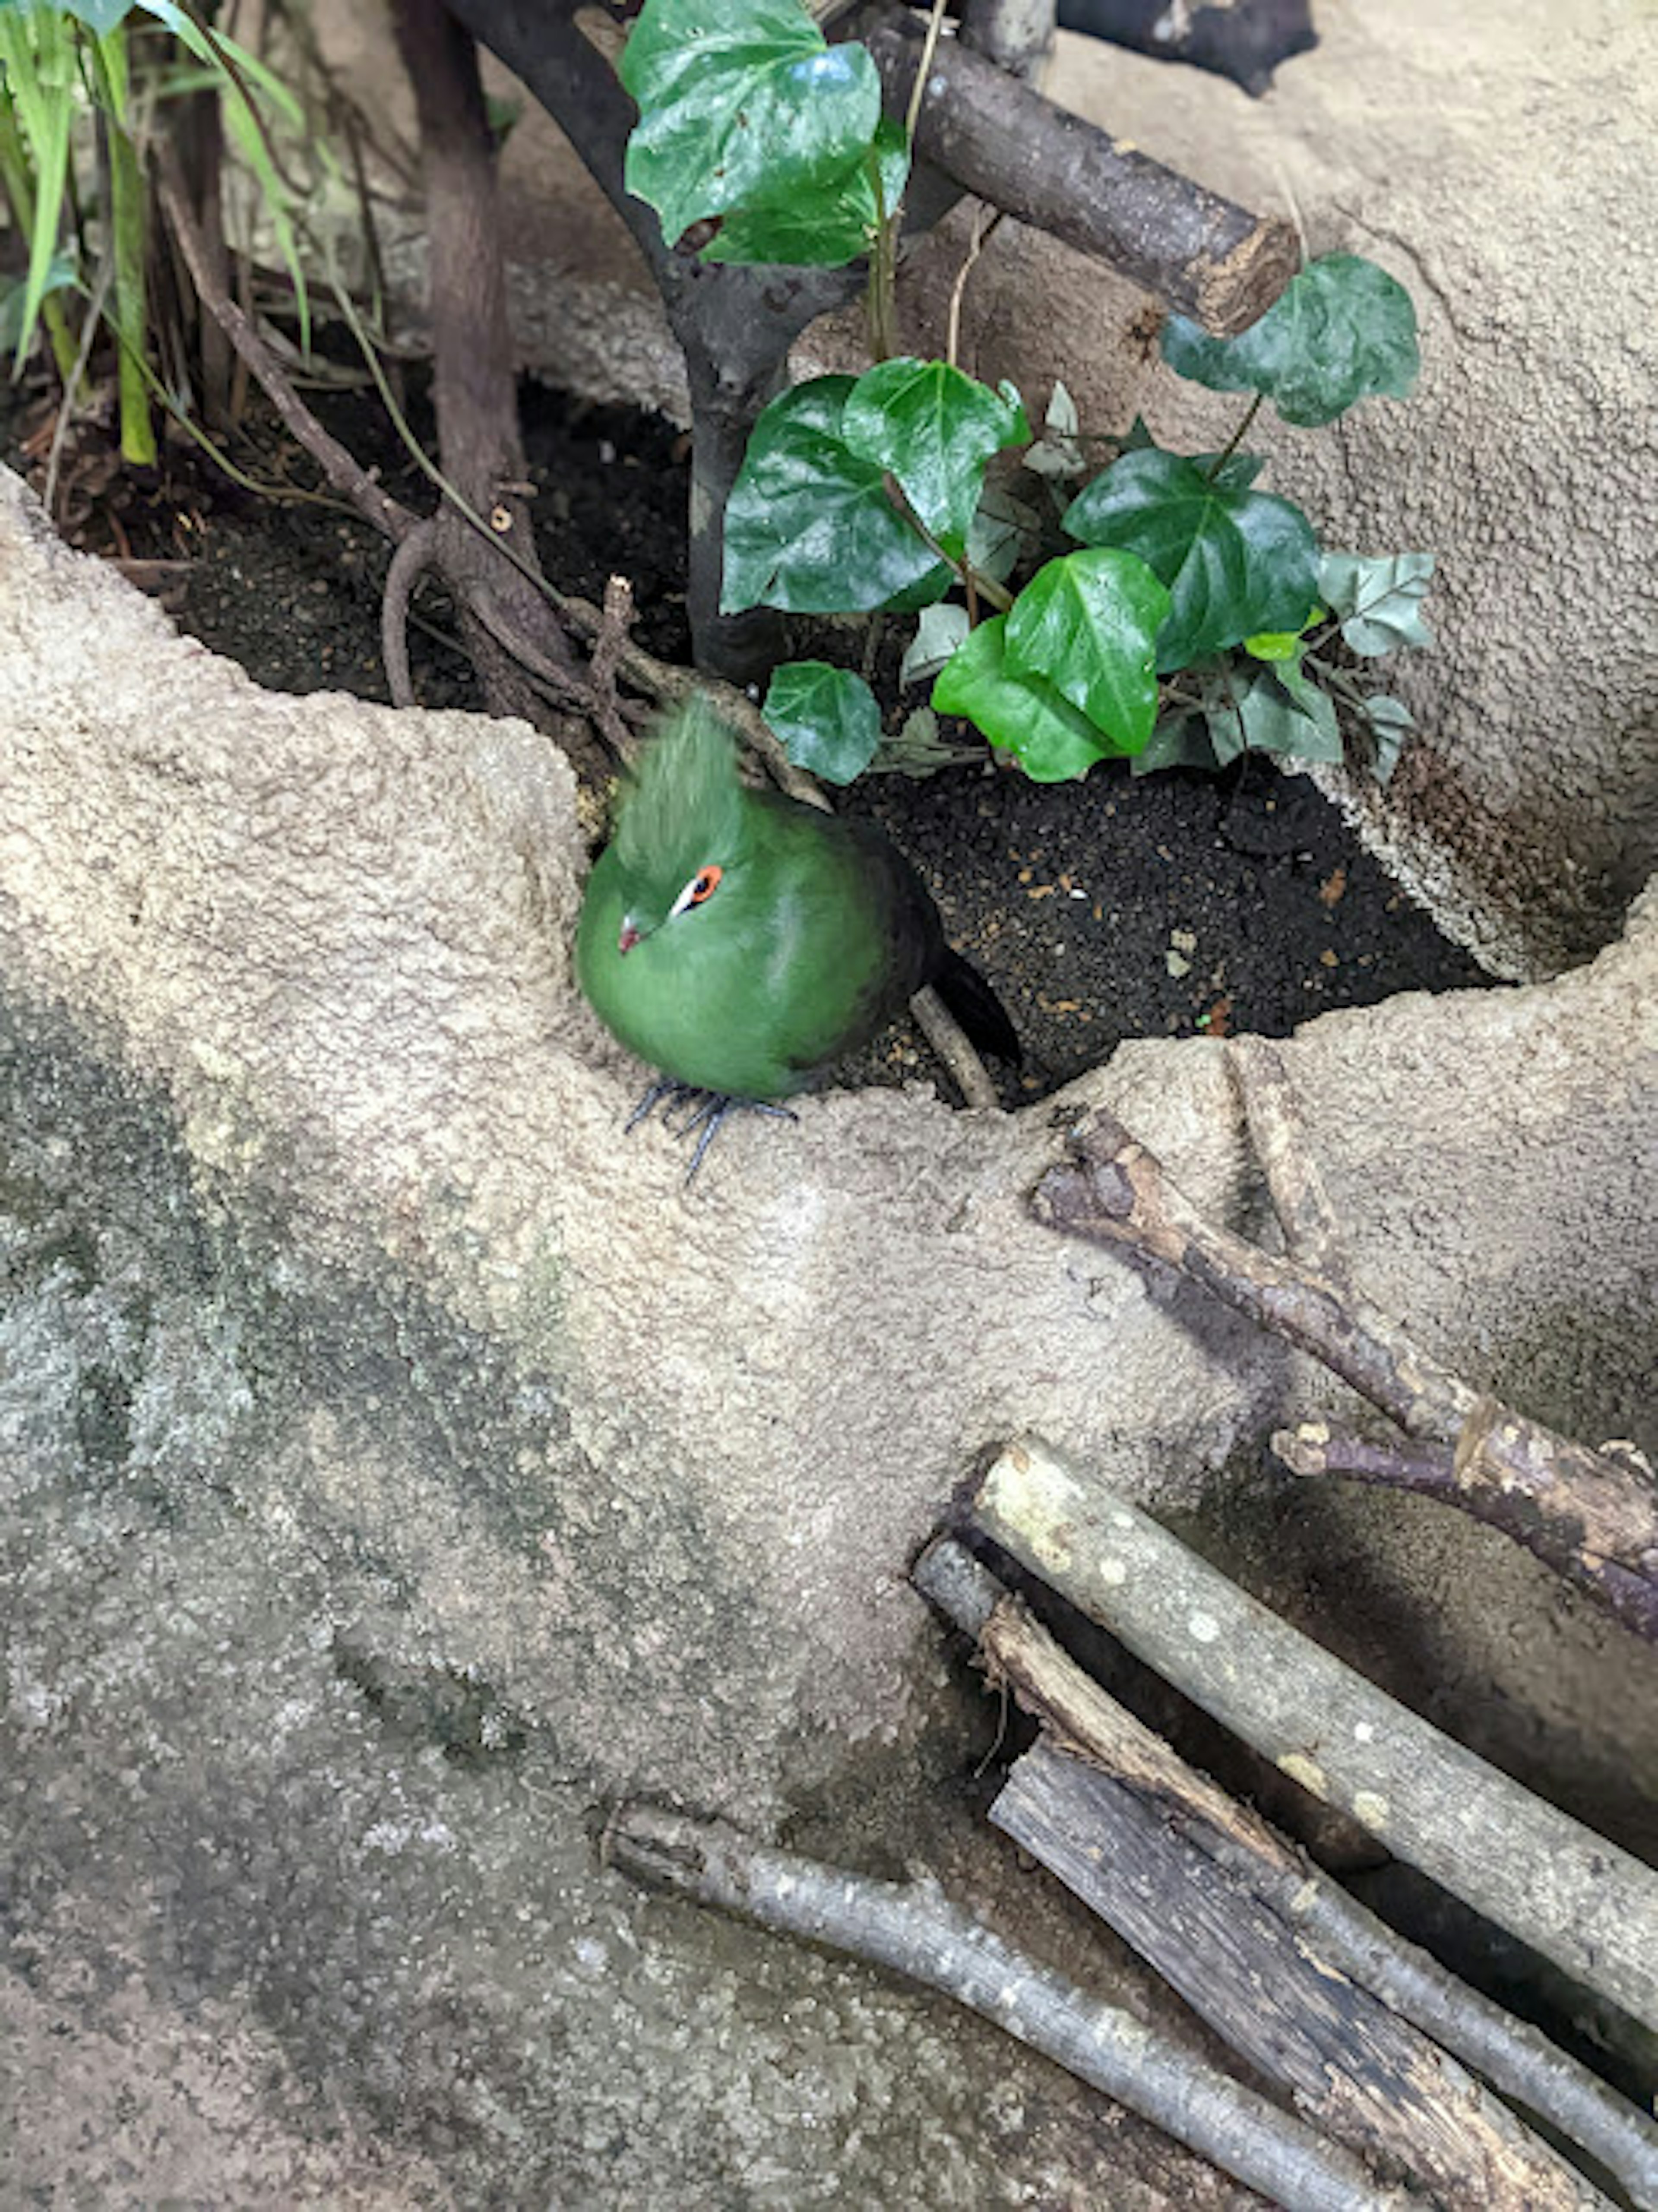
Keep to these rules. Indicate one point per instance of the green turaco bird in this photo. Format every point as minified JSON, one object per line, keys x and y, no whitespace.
{"x":742,"y":943}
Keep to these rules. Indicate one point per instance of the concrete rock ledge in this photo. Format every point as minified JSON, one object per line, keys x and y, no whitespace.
{"x":396,"y":1465}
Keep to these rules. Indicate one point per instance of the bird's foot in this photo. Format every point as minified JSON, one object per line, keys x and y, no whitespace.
{"x":703,"y":1110}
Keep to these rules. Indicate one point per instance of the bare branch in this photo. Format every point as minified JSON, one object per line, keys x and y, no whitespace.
{"x":1079,"y":1717}
{"x":914,"y":1930}
{"x":1580,"y":1901}
{"x":1591,"y":1516}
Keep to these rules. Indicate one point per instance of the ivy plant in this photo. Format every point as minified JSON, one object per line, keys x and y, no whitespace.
{"x":1163,"y":606}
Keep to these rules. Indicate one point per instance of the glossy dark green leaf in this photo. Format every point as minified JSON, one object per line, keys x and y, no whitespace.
{"x":827,"y":717}
{"x":1181,"y":739}
{"x":823,"y":230}
{"x":1022,"y":715}
{"x":809,"y":526}
{"x":1282,"y":711}
{"x":1088,"y":624}
{"x":1342,"y":331}
{"x":1236,"y":562}
{"x":1379,"y":601}
{"x":742,"y":103}
{"x":934,"y":428}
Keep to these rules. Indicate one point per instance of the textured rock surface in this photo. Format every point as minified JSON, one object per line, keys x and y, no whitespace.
{"x":396,"y":1467}
{"x":1497,"y":159}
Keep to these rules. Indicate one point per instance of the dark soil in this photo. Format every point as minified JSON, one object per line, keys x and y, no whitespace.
{"x":1163,"y":905}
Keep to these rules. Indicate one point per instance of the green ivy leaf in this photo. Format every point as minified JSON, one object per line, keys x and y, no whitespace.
{"x":1391,"y":722}
{"x":939,"y":631}
{"x":1181,"y":739}
{"x":1341,"y":331}
{"x":1022,"y":715}
{"x":1282,"y":711}
{"x":1088,"y":623}
{"x":809,"y":526}
{"x":935,"y":428}
{"x":1379,"y":601}
{"x":827,"y":717}
{"x":825,"y":231}
{"x":743,"y":103}
{"x":1236,"y":562}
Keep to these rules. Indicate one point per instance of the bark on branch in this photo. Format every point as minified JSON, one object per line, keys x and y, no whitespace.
{"x":1204,"y":255}
{"x":1580,"y":1901}
{"x":1592,"y":1517}
{"x":1467,"y":2142}
{"x":915,"y":1931}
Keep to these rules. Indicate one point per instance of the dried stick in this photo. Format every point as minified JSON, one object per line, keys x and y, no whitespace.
{"x":347,"y":475}
{"x":409,"y":562}
{"x":1582,"y":1902}
{"x":953,"y":1046}
{"x":1297,"y":1189}
{"x":914,"y":1930}
{"x":1080,"y":1718}
{"x":1592,"y":1517}
{"x":994,"y":136}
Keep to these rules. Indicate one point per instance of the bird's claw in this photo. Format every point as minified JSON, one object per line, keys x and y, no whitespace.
{"x":703,"y":1110}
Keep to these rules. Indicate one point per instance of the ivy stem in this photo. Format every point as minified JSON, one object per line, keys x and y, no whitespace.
{"x":1235,"y":439}
{"x":882,"y":268}
{"x":984,"y":587}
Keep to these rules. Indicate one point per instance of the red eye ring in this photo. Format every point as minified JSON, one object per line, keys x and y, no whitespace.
{"x":704,"y":884}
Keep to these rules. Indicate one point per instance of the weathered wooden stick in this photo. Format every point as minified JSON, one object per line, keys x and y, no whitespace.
{"x":1580,"y":1901}
{"x":1354,"y":2069}
{"x":1204,"y":256}
{"x":1077,"y":1716}
{"x":915,"y":1931}
{"x":1297,"y":1189}
{"x":1592,"y":1517}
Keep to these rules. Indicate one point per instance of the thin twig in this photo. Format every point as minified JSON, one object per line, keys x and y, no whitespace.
{"x":953,"y":1046}
{"x":83,"y":354}
{"x":408,"y":564}
{"x":914,"y":1930}
{"x":983,"y":232}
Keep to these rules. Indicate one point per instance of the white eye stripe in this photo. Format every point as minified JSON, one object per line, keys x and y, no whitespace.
{"x":700,"y":887}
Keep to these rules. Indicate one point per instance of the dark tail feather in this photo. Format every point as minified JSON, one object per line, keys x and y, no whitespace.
{"x":977,"y":1008}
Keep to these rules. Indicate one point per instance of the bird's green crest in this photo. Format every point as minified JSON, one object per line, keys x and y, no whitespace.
{"x":684,"y":795}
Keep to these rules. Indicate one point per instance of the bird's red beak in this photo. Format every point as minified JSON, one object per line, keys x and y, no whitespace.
{"x":629,"y":937}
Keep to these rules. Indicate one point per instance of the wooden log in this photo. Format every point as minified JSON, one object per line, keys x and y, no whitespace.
{"x":1078,"y":1716}
{"x":913,"y":1929}
{"x":1353,"y":2069}
{"x":1583,"y":1903}
{"x":1204,"y":256}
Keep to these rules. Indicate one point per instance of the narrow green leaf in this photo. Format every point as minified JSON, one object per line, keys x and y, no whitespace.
{"x":742,"y":103}
{"x":934,"y":428}
{"x":809,"y":526}
{"x":1022,"y":715}
{"x":1236,"y":562}
{"x":827,"y":717}
{"x":1341,"y":331}
{"x":1088,"y":623}
{"x":37,"y":55}
{"x":14,"y":292}
{"x":825,"y":230}
{"x":1379,"y":601}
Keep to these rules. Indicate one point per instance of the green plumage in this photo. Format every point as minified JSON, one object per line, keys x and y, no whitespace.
{"x":812,"y":935}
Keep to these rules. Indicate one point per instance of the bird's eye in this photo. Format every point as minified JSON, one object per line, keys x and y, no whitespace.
{"x":702,"y":886}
